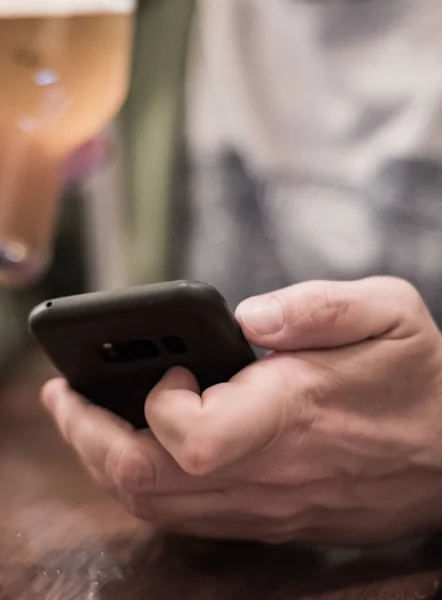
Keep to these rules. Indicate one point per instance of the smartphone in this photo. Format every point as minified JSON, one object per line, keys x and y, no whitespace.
{"x":114,"y":347}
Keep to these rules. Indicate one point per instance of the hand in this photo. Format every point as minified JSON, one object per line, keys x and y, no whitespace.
{"x":336,"y":437}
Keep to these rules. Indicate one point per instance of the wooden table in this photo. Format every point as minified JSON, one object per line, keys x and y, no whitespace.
{"x":61,"y":538}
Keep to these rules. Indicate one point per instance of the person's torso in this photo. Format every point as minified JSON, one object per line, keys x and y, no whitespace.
{"x":335,"y":108}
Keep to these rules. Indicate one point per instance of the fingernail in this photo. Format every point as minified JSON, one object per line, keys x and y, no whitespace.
{"x":262,"y":316}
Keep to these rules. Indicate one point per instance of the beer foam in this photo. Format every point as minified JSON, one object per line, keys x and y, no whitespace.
{"x":46,"y":8}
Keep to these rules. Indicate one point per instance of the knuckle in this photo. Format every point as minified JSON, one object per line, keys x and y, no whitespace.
{"x":285,"y":514}
{"x":323,"y":310}
{"x":132,"y":470}
{"x":406,"y":296}
{"x":143,"y":508}
{"x":198,"y":455}
{"x":281,"y":530}
{"x":158,"y":404}
{"x":279,"y":513}
{"x":298,"y":409}
{"x":272,"y":507}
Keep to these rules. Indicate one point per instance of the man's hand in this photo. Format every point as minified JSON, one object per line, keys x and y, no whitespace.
{"x":334,"y":437}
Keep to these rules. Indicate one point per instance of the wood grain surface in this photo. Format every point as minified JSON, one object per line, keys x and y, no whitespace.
{"x":61,"y":538}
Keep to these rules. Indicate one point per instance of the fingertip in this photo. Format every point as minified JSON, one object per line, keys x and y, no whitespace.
{"x":171,"y":408}
{"x":51,"y":392}
{"x":261,"y":317}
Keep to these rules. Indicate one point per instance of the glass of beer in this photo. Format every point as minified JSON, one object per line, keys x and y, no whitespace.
{"x":65,"y":70}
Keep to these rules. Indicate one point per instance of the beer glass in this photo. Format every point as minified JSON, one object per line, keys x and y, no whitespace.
{"x":64,"y":69}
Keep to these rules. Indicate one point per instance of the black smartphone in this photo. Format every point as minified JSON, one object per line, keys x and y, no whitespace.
{"x":114,"y":347}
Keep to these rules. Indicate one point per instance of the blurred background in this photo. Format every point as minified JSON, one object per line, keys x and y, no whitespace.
{"x":109,"y":234}
{"x":262,"y":143}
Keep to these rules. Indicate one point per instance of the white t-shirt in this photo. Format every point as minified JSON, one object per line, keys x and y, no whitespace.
{"x":330,"y":87}
{"x":337,"y":106}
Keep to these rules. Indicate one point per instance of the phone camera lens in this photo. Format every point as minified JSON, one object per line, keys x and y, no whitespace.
{"x":174,"y":345}
{"x":132,"y":351}
{"x":109,"y":353}
{"x":138,"y":350}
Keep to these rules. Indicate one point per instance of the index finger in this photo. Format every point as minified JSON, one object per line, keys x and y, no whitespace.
{"x":206,"y":433}
{"x":110,"y":449}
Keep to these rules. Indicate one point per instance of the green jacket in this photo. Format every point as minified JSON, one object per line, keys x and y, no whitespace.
{"x":153,"y":117}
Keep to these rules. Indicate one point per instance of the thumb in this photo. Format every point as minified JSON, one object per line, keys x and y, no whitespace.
{"x":321,"y":314}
